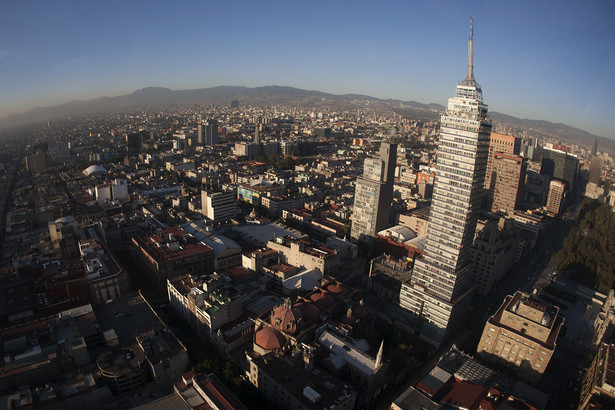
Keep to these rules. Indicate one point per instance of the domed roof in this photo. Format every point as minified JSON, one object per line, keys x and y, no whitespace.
{"x":286,"y":317}
{"x":269,"y":339}
{"x":309,"y":310}
{"x":94,"y":168}
{"x":322,"y":299}
{"x":338,"y":289}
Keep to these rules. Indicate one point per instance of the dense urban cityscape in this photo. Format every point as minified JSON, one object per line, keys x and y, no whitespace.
{"x":325,"y":255}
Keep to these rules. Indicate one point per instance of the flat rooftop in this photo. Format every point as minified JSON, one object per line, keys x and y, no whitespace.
{"x":129,"y":317}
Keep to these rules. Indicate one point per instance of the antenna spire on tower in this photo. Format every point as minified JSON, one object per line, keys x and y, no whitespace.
{"x":470,"y":77}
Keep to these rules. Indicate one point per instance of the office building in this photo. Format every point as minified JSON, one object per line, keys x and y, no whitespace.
{"x":502,"y":143}
{"x":560,"y":165}
{"x":119,"y":190}
{"x":440,"y":291}
{"x":37,"y":163}
{"x":557,"y":192}
{"x":247,"y":149}
{"x":493,"y":254}
{"x":535,"y":190}
{"x":595,"y":170}
{"x":219,"y":206}
{"x":374,"y":194}
{"x":134,"y":142}
{"x":594,"y":151}
{"x":211,"y":133}
{"x":522,"y":335}
{"x":507,"y":180}
{"x":200,"y":136}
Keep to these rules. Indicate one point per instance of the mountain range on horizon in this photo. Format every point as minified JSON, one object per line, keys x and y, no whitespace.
{"x":152,"y":97}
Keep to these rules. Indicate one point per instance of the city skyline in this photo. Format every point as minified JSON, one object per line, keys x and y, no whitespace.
{"x":532,"y":57}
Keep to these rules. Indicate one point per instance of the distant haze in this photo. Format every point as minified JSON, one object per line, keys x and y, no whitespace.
{"x":155,"y":97}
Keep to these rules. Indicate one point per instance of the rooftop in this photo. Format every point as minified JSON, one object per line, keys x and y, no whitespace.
{"x":173,"y":243}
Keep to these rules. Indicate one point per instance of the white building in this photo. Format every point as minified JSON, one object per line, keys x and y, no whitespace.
{"x":119,"y":190}
{"x":441,"y":288}
{"x":103,"y":192}
{"x":219,"y":206}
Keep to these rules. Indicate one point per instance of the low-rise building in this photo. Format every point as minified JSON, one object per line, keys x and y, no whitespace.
{"x":172,"y":253}
{"x":295,"y":382}
{"x":202,"y":304}
{"x":303,"y":253}
{"x":277,"y":204}
{"x":107,"y":279}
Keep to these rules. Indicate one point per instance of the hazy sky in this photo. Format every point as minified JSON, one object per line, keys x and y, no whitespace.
{"x":534,"y":59}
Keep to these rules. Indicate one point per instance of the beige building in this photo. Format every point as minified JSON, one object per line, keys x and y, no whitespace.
{"x":557,"y":192}
{"x":500,"y":143}
{"x":303,"y":254}
{"x":522,"y":333}
{"x":417,"y":220}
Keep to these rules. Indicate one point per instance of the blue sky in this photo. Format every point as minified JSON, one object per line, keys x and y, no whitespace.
{"x":540,"y":60}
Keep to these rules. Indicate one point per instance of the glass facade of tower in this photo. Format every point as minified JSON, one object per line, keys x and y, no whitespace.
{"x":440,"y":289}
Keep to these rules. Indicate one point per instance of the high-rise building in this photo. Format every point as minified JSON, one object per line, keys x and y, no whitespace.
{"x":535,"y":190}
{"x":557,"y":191}
{"x":594,"y":147}
{"x":134,"y":142}
{"x":374,"y":194}
{"x":440,"y":290}
{"x":595,"y":170}
{"x":211,"y":132}
{"x":500,"y":143}
{"x":199,"y":134}
{"x":561,"y":165}
{"x":493,"y":254}
{"x":507,"y":180}
{"x":37,"y":163}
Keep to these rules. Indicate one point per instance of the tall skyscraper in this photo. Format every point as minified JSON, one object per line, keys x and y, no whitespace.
{"x":594,"y":147}
{"x":440,"y":289}
{"x":211,"y":132}
{"x":374,"y":194}
{"x":199,"y":134}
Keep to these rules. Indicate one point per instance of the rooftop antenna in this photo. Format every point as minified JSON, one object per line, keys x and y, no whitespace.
{"x":469,"y":80}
